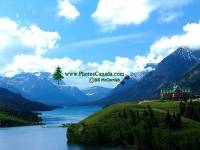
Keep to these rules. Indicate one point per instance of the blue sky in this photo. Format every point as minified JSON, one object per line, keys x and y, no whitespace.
{"x":94,"y":34}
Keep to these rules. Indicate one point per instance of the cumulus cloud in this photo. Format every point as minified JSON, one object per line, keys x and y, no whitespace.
{"x":38,"y":39}
{"x":18,"y":39}
{"x":111,"y":14}
{"x":12,"y":34}
{"x":33,"y":63}
{"x":166,"y":45}
{"x":67,"y":10}
{"x":189,"y":38}
{"x":158,"y":50}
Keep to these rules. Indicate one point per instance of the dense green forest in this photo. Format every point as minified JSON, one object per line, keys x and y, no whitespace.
{"x":148,"y":125}
{"x":11,"y":117}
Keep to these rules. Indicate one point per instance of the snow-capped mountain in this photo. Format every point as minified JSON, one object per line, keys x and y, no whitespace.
{"x":42,"y":88}
{"x":137,"y":75}
{"x":185,"y":53}
{"x":96,"y":92}
{"x":169,"y":70}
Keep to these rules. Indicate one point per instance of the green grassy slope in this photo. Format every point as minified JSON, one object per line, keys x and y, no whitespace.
{"x":10,"y":117}
{"x":138,"y":126}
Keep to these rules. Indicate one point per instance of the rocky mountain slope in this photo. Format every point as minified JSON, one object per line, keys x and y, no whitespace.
{"x":168,"y":71}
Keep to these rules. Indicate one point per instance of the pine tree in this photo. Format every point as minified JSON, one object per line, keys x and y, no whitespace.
{"x":182,"y":108}
{"x":178,"y":121}
{"x":168,"y":120}
{"x":58,"y":75}
{"x":151,"y":113}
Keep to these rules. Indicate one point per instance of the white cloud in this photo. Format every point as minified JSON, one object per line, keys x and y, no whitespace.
{"x":111,"y":14}
{"x":38,"y":39}
{"x":67,"y":10}
{"x":18,"y":39}
{"x":33,"y":63}
{"x":158,"y":50}
{"x":15,"y":35}
{"x":166,"y":45}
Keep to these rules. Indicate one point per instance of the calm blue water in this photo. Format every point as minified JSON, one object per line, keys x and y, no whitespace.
{"x":50,"y":138}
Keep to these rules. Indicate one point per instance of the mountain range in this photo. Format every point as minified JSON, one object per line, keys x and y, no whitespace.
{"x":41,"y":87}
{"x":170,"y":70}
{"x":96,"y":92}
{"x":127,"y":82}
{"x":12,"y":100}
{"x":182,"y":66}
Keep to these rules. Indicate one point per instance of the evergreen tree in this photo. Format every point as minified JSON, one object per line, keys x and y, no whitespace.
{"x":182,"y":108}
{"x":168,"y":120}
{"x":151,"y":113}
{"x":58,"y":75}
{"x":173,"y":122}
{"x":178,"y":121}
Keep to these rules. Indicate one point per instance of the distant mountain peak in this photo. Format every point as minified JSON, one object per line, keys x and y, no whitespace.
{"x":184,"y":52}
{"x":41,"y":87}
{"x":96,"y":92}
{"x":138,"y":75}
{"x":169,"y":70}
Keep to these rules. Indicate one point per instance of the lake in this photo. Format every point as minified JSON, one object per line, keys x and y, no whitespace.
{"x":50,"y":138}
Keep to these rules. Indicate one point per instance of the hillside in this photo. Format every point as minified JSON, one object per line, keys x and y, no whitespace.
{"x":16,"y":101}
{"x":11,"y":117}
{"x":168,"y":71}
{"x":192,"y":79}
{"x":146,"y":125}
{"x":127,"y":82}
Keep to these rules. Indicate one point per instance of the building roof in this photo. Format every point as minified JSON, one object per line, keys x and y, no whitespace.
{"x":174,"y":87}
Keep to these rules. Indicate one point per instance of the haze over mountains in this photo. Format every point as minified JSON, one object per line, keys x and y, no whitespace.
{"x":169,"y":70}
